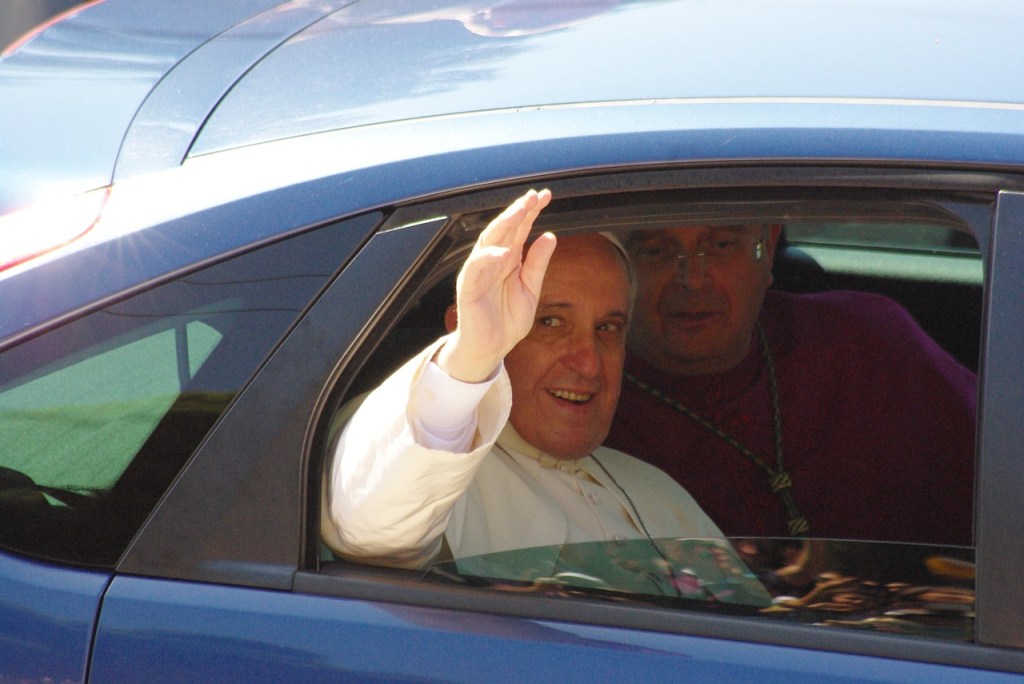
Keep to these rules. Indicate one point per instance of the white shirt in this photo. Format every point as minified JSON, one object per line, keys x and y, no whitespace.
{"x":389,"y":497}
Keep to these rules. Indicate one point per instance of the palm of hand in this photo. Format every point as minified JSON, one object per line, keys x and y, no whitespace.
{"x":498,"y":290}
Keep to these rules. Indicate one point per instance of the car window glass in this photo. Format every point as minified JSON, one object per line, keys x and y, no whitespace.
{"x":70,"y":426}
{"x":908,"y":237}
{"x":906,"y":589}
{"x":936,"y":272}
{"x":97,"y":416}
{"x":887,"y":584}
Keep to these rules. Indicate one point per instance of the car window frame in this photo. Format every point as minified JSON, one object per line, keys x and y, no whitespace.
{"x":253,"y":461}
{"x":359,"y":582}
{"x":999,"y":524}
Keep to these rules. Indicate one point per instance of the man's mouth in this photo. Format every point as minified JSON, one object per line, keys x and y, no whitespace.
{"x":574,"y":397}
{"x":691,"y":316}
{"x":691,"y":312}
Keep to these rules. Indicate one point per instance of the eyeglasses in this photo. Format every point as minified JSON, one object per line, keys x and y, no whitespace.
{"x":715,"y":251}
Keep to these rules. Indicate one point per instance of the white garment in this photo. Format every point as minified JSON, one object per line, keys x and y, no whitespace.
{"x":389,"y":500}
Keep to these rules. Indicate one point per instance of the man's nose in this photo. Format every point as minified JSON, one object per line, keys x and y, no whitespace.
{"x":582,"y":355}
{"x":691,"y":270}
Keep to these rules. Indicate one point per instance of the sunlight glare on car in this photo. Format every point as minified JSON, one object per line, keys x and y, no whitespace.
{"x":39,"y":229}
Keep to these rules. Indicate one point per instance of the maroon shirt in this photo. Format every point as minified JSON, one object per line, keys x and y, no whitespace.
{"x":878,"y":426}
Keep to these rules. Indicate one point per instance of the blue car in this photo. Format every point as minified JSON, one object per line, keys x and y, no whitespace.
{"x":219,"y":221}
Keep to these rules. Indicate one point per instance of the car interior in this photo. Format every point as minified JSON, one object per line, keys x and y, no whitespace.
{"x":912,"y":251}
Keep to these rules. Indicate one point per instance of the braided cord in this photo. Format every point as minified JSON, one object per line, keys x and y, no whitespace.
{"x":778,"y":479}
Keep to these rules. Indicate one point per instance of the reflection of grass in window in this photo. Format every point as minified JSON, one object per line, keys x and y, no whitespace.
{"x":79,"y":446}
{"x":891,"y":237}
{"x":79,"y":426}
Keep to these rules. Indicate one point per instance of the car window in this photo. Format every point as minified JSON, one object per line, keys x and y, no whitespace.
{"x":111,"y":398}
{"x":906,"y":589}
{"x":935,"y":271}
{"x":899,"y":581}
{"x":894,"y":237}
{"x":98,"y":415}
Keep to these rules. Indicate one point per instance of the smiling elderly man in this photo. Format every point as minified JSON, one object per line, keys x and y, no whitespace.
{"x":490,"y":438}
{"x":828,"y":415}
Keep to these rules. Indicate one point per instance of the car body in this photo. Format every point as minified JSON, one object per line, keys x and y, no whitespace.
{"x":18,"y":20}
{"x":220,"y":220}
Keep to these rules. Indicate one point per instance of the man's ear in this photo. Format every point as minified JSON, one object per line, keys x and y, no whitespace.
{"x":451,"y":318}
{"x":771,"y":240}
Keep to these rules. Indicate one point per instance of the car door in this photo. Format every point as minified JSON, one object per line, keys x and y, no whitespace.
{"x":225,"y":580}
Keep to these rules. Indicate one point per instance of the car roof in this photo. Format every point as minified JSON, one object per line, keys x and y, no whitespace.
{"x":126,"y":87}
{"x":73,"y":91}
{"x":379,"y":61}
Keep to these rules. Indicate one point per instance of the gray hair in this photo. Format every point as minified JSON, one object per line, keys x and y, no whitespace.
{"x":630,"y":271}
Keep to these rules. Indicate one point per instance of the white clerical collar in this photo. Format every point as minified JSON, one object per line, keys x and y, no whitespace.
{"x":511,"y":441}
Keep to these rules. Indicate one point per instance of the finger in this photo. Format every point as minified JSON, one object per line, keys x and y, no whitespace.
{"x":526,"y":225}
{"x":503,"y":229}
{"x":535,"y":203}
{"x":543,"y":200}
{"x":535,"y":265}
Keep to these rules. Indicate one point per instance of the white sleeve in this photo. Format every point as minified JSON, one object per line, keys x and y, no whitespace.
{"x":443,"y":410}
{"x":388,"y":497}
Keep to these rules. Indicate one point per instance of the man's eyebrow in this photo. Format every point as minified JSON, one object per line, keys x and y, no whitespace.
{"x":732,"y":228}
{"x":558,"y":306}
{"x":554,"y":305}
{"x":643,"y":235}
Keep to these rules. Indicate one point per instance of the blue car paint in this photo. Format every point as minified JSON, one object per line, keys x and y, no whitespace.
{"x":620,"y":52}
{"x":98,"y":66}
{"x":305,"y":180}
{"x":163,"y":631}
{"x":47,"y":617}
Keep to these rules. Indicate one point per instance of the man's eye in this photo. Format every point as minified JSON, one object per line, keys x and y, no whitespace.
{"x":651,"y":252}
{"x":723,"y":246}
{"x":549,"y":321}
{"x":612,"y":326}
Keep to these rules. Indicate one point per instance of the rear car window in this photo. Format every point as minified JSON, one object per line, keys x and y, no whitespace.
{"x":99,"y":415}
{"x":77,"y":425}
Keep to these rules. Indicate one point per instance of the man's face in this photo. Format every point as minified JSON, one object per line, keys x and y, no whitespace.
{"x":567,"y":373}
{"x":696,"y":314}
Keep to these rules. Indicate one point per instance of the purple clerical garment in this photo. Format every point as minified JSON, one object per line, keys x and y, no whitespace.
{"x":877,"y":426}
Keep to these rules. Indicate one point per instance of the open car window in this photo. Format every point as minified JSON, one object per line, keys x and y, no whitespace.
{"x":935,"y":271}
{"x":917,"y":254}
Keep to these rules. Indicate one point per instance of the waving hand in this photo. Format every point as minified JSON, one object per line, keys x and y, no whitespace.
{"x":497,"y":291}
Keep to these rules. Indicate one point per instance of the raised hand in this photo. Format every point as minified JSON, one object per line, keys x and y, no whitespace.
{"x":497,"y":291}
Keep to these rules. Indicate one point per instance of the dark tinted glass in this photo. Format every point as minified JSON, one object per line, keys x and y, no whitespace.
{"x":98,"y":416}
